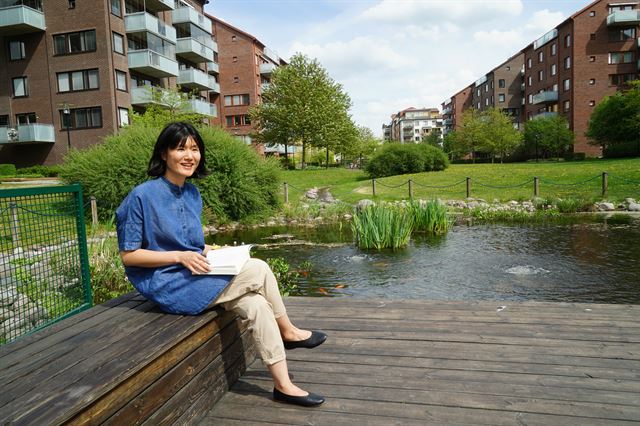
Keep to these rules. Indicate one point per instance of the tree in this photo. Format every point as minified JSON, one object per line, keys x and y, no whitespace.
{"x":499,"y":137}
{"x":616,"y":119}
{"x":365,"y":144}
{"x":452,"y":147}
{"x":549,"y":135}
{"x":470,"y":134}
{"x":302,"y":104}
{"x":432,"y":139}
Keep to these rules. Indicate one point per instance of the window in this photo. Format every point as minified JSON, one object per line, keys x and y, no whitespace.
{"x":554,"y":69}
{"x":76,"y":81}
{"x":26,"y":118}
{"x":501,"y":97}
{"x":529,"y":62}
{"x":486,"y":102}
{"x":554,"y":49}
{"x":16,"y":50}
{"x":592,"y":36}
{"x":233,"y":100}
{"x":83,"y":41}
{"x":530,"y":81}
{"x":121,"y":80}
{"x":567,"y":62}
{"x":592,"y":58}
{"x":530,"y":99}
{"x":123,"y":117}
{"x":478,"y":92}
{"x":235,"y":59}
{"x":540,"y":75}
{"x":501,"y":83}
{"x":592,"y":103}
{"x":72,"y":4}
{"x":508,"y":68}
{"x":20,"y":87}
{"x":540,"y":56}
{"x":566,"y":84}
{"x":478,"y":106}
{"x":82,"y":118}
{"x":592,"y":81}
{"x":620,"y":57}
{"x":238,"y":120}
{"x":118,"y":43}
{"x":4,"y":120}
{"x":592,"y":13}
{"x":566,"y":106}
{"x":116,"y":8}
{"x":234,"y":38}
{"x":622,"y":34}
{"x":619,"y":79}
{"x":236,"y":79}
{"x":567,"y":40}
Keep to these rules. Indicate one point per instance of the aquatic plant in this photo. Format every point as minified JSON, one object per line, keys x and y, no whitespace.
{"x":382,"y":226}
{"x":430,"y":216}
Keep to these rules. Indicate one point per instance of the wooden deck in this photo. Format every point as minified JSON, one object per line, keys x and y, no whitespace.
{"x":434,"y":362}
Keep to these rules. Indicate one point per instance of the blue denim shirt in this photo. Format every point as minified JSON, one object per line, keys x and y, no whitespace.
{"x":161,"y":216}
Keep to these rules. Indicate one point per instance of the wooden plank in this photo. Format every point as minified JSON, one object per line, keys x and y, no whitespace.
{"x":144,"y":404}
{"x":212,"y":382}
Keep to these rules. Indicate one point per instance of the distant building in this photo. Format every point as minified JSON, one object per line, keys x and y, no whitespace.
{"x":246,"y":65}
{"x":412,"y":125}
{"x":453,"y":108}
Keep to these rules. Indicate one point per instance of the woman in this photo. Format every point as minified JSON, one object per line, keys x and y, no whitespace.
{"x":162,"y":247}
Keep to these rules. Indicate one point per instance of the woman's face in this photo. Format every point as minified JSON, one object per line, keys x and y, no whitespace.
{"x":182,"y":161}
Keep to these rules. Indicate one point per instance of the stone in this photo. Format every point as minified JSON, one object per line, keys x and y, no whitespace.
{"x":21,"y":302}
{"x":634,"y":207}
{"x":312,"y":194}
{"x":630,"y":201}
{"x":606,"y":207}
{"x":6,"y":313}
{"x":364,"y":203}
{"x":8,"y":296}
{"x":324,"y":196}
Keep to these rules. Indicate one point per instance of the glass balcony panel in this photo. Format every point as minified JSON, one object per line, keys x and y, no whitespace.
{"x":145,"y":22}
{"x":197,"y":79}
{"x":28,"y":133}
{"x":213,"y":68}
{"x":545,"y":115}
{"x":20,"y":19}
{"x":160,"y":5}
{"x":550,"y":96}
{"x":189,"y":15}
{"x":194,"y":51}
{"x":153,"y":64}
{"x":145,"y":95}
{"x":624,"y":17}
{"x":267,"y":69}
{"x":202,"y":107}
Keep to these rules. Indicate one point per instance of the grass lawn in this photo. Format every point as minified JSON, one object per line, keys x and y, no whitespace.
{"x":488,"y":181}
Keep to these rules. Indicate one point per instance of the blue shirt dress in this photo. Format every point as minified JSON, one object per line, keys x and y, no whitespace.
{"x":161,"y":216}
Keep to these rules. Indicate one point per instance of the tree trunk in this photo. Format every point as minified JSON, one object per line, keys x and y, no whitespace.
{"x":304,"y":156}
{"x":327,"y":166}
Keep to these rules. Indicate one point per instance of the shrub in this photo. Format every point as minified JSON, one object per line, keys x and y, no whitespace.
{"x":395,"y":159}
{"x":7,"y":169}
{"x":240,"y":184}
{"x":45,"y":171}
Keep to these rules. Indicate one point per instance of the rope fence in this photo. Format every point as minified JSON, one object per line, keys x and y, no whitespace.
{"x":535,"y":182}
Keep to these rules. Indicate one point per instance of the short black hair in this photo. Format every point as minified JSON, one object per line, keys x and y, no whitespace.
{"x":171,"y":137}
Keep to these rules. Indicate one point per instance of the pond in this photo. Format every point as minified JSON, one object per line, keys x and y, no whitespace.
{"x":585,"y":260}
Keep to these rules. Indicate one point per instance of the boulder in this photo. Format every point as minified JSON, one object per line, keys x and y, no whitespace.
{"x":634,"y":207}
{"x":605,"y":207}
{"x":364,"y":203}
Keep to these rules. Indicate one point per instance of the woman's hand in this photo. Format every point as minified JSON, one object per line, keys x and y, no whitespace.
{"x":195,"y":262}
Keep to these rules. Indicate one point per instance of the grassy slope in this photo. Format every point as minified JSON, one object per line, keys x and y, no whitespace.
{"x":353,"y":185}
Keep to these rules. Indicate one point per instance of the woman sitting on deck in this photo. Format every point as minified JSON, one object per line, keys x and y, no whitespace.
{"x":162,"y":247}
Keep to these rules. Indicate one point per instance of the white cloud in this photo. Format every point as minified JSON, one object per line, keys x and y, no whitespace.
{"x":543,"y":21}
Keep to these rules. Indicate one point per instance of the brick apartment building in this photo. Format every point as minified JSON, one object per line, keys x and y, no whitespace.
{"x":453,"y":108}
{"x":246,"y":65}
{"x":413,"y":124}
{"x":72,"y":70}
{"x":571,"y":68}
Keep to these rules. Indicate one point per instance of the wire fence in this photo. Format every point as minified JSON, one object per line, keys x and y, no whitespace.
{"x":44,"y":274}
{"x":465,"y":186}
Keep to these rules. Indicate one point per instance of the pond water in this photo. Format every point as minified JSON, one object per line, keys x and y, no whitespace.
{"x":587,"y":260}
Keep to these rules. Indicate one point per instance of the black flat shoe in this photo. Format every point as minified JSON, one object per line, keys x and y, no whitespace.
{"x":310,"y":400}
{"x":317,"y":338}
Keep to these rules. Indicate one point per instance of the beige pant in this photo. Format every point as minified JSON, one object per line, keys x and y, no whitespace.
{"x":254,"y":295}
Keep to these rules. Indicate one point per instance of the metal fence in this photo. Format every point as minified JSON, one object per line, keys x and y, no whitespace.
{"x":44,"y":266}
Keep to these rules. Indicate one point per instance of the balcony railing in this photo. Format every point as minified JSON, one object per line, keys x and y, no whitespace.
{"x":199,"y":80}
{"x":213,"y":68}
{"x":271,"y":55}
{"x":28,"y":133}
{"x":187,"y":15}
{"x":145,"y":95}
{"x":152,"y":63}
{"x":624,"y":17}
{"x":194,"y":50}
{"x":447,"y":121}
{"x":545,"y":38}
{"x":550,"y":96}
{"x":446,"y":111}
{"x":202,"y":107}
{"x":267,"y":69}
{"x":145,"y":22}
{"x":545,"y":115}
{"x":20,"y":19}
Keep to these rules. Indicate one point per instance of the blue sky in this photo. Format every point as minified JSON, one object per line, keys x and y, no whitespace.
{"x":393,"y":54}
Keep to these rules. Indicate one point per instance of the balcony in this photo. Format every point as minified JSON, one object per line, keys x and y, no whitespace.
{"x":28,"y":134}
{"x":263,"y":87}
{"x":267,"y":69}
{"x":146,"y":95}
{"x":160,"y":5}
{"x":213,"y":68}
{"x":624,"y":18}
{"x":545,"y":38}
{"x":548,"y":97}
{"x":142,"y":22}
{"x":447,"y":121}
{"x":194,"y":50}
{"x":446,"y":111}
{"x":20,"y":19}
{"x":202,"y":107}
{"x":545,"y":115}
{"x":187,"y":15}
{"x":522,"y":87}
{"x":152,"y":63}
{"x":197,"y":79}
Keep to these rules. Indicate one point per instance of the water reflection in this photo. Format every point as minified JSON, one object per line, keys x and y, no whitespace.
{"x":581,"y":261}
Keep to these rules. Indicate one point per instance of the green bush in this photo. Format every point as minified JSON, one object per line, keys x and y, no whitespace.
{"x":396,"y":159}
{"x":241,"y":183}
{"x":7,"y":169}
{"x":621,"y":150}
{"x":45,"y":171}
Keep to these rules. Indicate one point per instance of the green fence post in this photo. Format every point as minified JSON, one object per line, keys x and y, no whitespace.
{"x":536,"y":186}
{"x":94,"y":211}
{"x":15,"y":226}
{"x":468,"y":187}
{"x":373,"y":186}
{"x":410,"y":189}
{"x":605,"y":183}
{"x":286,"y":192}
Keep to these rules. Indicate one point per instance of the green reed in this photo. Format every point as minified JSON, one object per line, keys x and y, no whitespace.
{"x":430,"y":217}
{"x":382,"y":226}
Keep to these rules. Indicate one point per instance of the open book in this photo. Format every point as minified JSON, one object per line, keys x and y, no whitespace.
{"x":228,"y":260}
